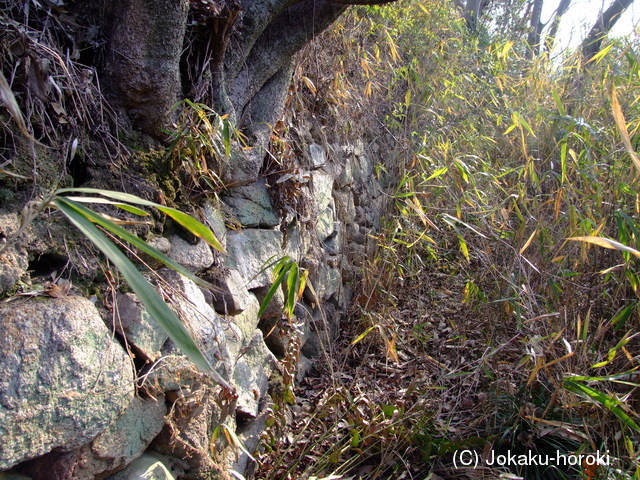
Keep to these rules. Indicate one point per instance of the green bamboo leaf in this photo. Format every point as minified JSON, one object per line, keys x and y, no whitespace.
{"x":563,"y":161}
{"x":156,"y":307}
{"x":524,"y":123}
{"x":135,"y":241}
{"x":292,"y":283}
{"x":610,"y":403}
{"x":559,"y":105}
{"x":614,"y":351}
{"x":438,"y":172}
{"x":272,"y":291}
{"x":183,"y":219}
{"x":283,"y":263}
{"x":622,"y":378}
{"x":226,"y":137}
{"x":104,"y":201}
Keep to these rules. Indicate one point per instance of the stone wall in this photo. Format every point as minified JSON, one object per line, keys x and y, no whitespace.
{"x":99,"y":391}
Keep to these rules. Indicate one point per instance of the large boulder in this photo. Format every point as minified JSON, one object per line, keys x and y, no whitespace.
{"x":63,"y":380}
{"x":115,"y":448}
{"x":13,"y":261}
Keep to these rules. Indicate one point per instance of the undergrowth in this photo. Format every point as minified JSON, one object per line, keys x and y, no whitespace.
{"x":479,"y":323}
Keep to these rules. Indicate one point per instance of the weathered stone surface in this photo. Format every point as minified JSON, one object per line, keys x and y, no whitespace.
{"x":327,"y":281}
{"x":247,"y":321}
{"x":115,"y":448}
{"x":345,"y":206}
{"x":249,"y":434}
{"x":195,"y":257}
{"x":361,"y":168}
{"x":232,"y":297}
{"x":322,"y":188}
{"x":62,"y":379}
{"x":326,"y":223}
{"x":13,"y":262}
{"x":137,"y":326}
{"x":345,"y":177}
{"x":250,"y":250}
{"x":187,"y":434}
{"x":298,"y":241}
{"x":313,"y":346}
{"x":127,"y":437}
{"x":251,"y":376}
{"x":147,"y":467}
{"x":214,"y":218}
{"x":303,"y":367}
{"x":160,"y":243}
{"x":317,"y":154}
{"x":206,"y":327}
{"x":251,"y":205}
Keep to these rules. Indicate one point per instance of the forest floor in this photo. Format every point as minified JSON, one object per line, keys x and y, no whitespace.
{"x":435,"y":375}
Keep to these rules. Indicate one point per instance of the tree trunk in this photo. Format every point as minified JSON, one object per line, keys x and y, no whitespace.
{"x":472,"y":13}
{"x":533,"y":38}
{"x":142,"y":68}
{"x":605,"y":22}
{"x":555,"y":24}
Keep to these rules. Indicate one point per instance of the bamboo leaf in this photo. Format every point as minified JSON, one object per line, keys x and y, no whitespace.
{"x":183,"y":219}
{"x":559,"y":105}
{"x":600,"y":55}
{"x":10,"y":103}
{"x":618,"y":116}
{"x":292,"y":283}
{"x":524,"y":123}
{"x":135,"y":241}
{"x":610,"y":403}
{"x":236,"y":441}
{"x":157,"y":308}
{"x":104,"y":201}
{"x":606,"y":243}
{"x":272,"y":291}
{"x":362,"y":335}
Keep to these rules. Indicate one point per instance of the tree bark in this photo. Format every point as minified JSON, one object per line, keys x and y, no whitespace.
{"x":473,"y":11}
{"x":550,"y":38}
{"x":536,"y":26}
{"x":142,"y":71}
{"x":605,"y":22}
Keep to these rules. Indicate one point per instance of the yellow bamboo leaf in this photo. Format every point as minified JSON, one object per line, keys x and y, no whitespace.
{"x":528,"y":242}
{"x":312,"y":88}
{"x":606,"y":243}
{"x":618,"y":116}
